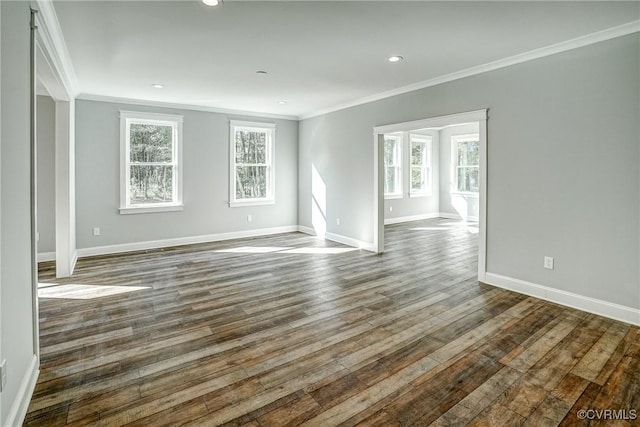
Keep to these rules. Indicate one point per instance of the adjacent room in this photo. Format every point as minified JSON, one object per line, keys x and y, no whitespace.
{"x":319,"y":213}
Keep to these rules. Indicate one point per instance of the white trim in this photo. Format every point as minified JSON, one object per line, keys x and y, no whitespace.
{"x":308,"y":230}
{"x":393,"y":196}
{"x":74,"y":260}
{"x":433,"y":122}
{"x":180,"y":241}
{"x":51,"y":35}
{"x":448,"y":215}
{"x":367,"y":246}
{"x":150,"y":209}
{"x":46,"y":256}
{"x":18,"y":410}
{"x":410,"y":218}
{"x":589,"y":39}
{"x":252,"y":202}
{"x":569,"y":299}
{"x":178,"y":106}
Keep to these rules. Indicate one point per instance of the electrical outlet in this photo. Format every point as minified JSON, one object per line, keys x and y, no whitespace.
{"x":338,"y":221}
{"x":37,"y":236}
{"x":249,"y":218}
{"x":96,"y":231}
{"x":548,"y":263}
{"x":390,"y":208}
{"x":3,"y":374}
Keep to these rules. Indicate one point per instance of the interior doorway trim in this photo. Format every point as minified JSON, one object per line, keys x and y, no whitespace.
{"x":479,"y":116}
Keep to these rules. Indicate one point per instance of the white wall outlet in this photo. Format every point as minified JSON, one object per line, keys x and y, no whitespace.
{"x":96,"y":231}
{"x":249,"y":218}
{"x":548,"y":262}
{"x":338,"y":221}
{"x":37,"y":236}
{"x":390,"y":208}
{"x":3,"y":374}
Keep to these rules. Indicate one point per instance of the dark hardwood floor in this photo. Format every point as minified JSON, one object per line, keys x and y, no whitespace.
{"x":292,"y":330}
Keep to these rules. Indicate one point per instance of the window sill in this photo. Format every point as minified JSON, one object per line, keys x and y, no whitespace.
{"x":150,"y":209}
{"x":392,"y":196}
{"x":465,"y":193}
{"x":416,"y":195}
{"x":239,"y":204}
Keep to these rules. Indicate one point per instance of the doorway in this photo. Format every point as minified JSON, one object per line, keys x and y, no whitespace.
{"x":464,"y":180}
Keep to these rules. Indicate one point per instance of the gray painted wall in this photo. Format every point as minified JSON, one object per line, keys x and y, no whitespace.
{"x":563,"y":170}
{"x":46,"y":174}
{"x":16,"y":300}
{"x":205,"y":179}
{"x":458,"y":204}
{"x":410,"y":206}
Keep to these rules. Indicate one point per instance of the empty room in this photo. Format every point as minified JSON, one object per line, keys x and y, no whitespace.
{"x":319,"y":213}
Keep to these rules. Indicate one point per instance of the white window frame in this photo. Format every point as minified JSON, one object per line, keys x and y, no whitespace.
{"x":455,"y":140}
{"x":270,"y":130}
{"x":126,"y":119}
{"x":399,"y":140}
{"x":426,"y":166}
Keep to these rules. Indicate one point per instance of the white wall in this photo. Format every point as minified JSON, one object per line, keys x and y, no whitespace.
{"x":563,"y":171}
{"x":413,"y":207}
{"x":205,"y":179}
{"x":463,"y":205}
{"x":46,"y":174}
{"x":17,"y":310}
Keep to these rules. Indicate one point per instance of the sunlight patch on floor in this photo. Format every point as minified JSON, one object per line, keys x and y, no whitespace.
{"x":76,"y":291}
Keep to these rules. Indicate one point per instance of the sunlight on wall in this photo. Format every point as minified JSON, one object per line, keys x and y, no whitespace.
{"x":75,"y":291}
{"x":459,"y":203}
{"x":318,"y":203}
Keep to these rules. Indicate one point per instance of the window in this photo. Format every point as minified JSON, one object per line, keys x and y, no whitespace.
{"x":420,"y":165}
{"x":252,"y":163}
{"x":150,"y":167}
{"x":392,"y":166}
{"x":466,"y":156}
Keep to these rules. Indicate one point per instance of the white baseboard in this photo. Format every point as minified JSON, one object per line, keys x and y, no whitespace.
{"x":155,"y":244}
{"x":310,"y":231}
{"x":74,"y":260}
{"x":569,"y":299}
{"x":18,"y":410}
{"x":46,"y":256}
{"x":449,"y":215}
{"x":400,"y":219}
{"x":367,"y":246}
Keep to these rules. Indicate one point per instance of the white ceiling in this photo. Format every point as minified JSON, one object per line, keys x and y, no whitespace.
{"x":318,"y":54}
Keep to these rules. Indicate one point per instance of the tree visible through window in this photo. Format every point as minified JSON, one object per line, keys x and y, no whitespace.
{"x":392,"y":165}
{"x":467,"y":157}
{"x":420,"y":164}
{"x":150,"y":144}
{"x":252,"y":162}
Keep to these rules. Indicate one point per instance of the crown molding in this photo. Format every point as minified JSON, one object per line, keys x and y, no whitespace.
{"x":589,"y":39}
{"x":176,"y":106}
{"x":53,"y":40}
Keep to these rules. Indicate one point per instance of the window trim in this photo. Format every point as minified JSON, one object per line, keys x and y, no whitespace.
{"x":175,"y":121}
{"x":455,"y":140}
{"x":428,"y":165}
{"x":399,"y":138}
{"x":271,"y":164}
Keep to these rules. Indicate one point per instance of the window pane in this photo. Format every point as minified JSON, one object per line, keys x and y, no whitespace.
{"x":151,"y":184}
{"x":251,"y":182}
{"x":417,"y":178}
{"x":389,"y":151}
{"x":390,"y":179}
{"x":417,"y":153}
{"x":151,"y":143}
{"x":468,"y":179}
{"x":468,"y":153}
{"x":251,"y":147}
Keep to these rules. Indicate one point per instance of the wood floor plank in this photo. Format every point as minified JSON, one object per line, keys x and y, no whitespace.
{"x":290,"y":330}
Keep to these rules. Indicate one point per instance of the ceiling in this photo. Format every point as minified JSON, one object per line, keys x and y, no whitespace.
{"x":318,"y":54}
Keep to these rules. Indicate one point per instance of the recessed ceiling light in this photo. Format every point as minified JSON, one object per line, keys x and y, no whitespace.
{"x":261,"y":72}
{"x":212,"y":2}
{"x":157,"y":86}
{"x":282,"y":102}
{"x":395,"y":58}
